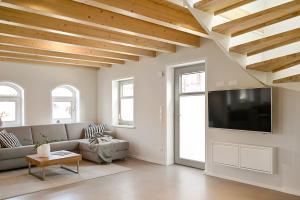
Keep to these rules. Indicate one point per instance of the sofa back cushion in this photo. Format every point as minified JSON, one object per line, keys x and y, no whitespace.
{"x":75,"y":130}
{"x":23,"y":133}
{"x":54,"y":132}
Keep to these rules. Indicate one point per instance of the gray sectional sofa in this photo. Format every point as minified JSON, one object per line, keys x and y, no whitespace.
{"x":69,"y":137}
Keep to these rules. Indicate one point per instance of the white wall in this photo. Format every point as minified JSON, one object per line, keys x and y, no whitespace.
{"x":147,"y":140}
{"x":38,"y":82}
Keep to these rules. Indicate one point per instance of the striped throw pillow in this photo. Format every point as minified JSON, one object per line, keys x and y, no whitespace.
{"x":93,"y":129}
{"x":0,"y":142}
{"x":8,"y":140}
{"x":98,"y":128}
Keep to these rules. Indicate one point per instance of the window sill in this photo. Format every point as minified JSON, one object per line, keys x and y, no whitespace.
{"x":10,"y":126}
{"x":124,"y":126}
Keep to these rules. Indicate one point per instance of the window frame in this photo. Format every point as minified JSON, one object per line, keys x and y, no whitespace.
{"x":18,"y":100}
{"x":181,"y":92}
{"x":121,"y":83}
{"x":74,"y":100}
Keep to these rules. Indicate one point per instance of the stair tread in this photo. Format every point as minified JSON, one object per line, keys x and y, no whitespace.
{"x":260,"y":19}
{"x":267,"y":43}
{"x":218,"y":7}
{"x":276,"y":64}
{"x":289,"y":79}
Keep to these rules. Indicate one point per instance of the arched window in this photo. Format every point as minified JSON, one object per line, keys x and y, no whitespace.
{"x":11,"y":104}
{"x":65,"y":104}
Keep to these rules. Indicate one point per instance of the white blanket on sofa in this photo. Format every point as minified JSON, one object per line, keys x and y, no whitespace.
{"x":103,"y":147}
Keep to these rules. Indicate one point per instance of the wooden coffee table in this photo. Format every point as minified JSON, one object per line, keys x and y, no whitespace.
{"x":56,"y":158}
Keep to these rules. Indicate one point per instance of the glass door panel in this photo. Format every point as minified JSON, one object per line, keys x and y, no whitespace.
{"x":192,"y":128}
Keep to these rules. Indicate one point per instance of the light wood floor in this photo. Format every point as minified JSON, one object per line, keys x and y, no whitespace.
{"x":148,"y":181}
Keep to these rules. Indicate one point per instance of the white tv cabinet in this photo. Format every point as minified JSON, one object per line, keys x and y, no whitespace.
{"x":248,"y":157}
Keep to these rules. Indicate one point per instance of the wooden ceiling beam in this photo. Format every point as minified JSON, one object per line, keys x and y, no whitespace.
{"x":218,"y":7}
{"x":40,"y":63}
{"x":30,"y":51}
{"x":289,"y":79}
{"x":51,"y":59}
{"x":36,"y":21}
{"x":48,"y":36}
{"x":276,"y":64}
{"x":160,"y":12}
{"x":260,"y":19}
{"x":89,"y":15}
{"x":268,"y":43}
{"x":235,"y":14}
{"x":60,"y":47}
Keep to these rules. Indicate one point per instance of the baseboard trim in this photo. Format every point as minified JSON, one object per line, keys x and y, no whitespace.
{"x":147,"y":159}
{"x":279,"y":189}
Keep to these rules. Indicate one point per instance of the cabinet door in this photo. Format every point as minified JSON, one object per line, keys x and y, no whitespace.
{"x":256,"y":158}
{"x":226,"y":154}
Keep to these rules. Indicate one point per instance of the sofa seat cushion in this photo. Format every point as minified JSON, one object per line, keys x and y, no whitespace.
{"x":17,"y":152}
{"x":120,"y":145}
{"x":117,"y":145}
{"x":12,"y":164}
{"x":71,"y":145}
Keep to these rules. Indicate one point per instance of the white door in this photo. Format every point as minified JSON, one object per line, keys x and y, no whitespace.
{"x":190,"y":116}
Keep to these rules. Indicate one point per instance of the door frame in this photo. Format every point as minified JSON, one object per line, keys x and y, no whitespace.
{"x":192,"y":67}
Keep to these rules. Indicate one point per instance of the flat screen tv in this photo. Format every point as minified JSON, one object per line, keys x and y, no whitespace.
{"x":246,"y":109}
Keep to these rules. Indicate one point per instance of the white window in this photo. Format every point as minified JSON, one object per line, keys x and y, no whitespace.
{"x":123,"y":102}
{"x":126,"y":102}
{"x":11,"y":104}
{"x":65,"y":104}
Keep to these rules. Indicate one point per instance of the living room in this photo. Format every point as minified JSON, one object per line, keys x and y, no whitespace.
{"x":101,"y":97}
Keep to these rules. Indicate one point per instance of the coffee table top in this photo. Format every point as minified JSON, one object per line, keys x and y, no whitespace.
{"x":56,"y":157}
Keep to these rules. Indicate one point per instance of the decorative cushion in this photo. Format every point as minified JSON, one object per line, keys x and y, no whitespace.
{"x":8,"y":140}
{"x":0,"y":142}
{"x":99,"y":128}
{"x":92,"y":130}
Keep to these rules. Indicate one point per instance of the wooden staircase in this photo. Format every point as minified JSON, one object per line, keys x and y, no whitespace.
{"x":267,"y":43}
{"x":275,"y":68}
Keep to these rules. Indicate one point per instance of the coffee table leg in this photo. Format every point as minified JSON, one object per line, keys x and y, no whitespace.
{"x":29,"y":167}
{"x":71,"y":170}
{"x":43,"y":173}
{"x":78,"y":167}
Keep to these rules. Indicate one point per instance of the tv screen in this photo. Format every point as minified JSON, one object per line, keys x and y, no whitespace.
{"x":247,"y":109}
